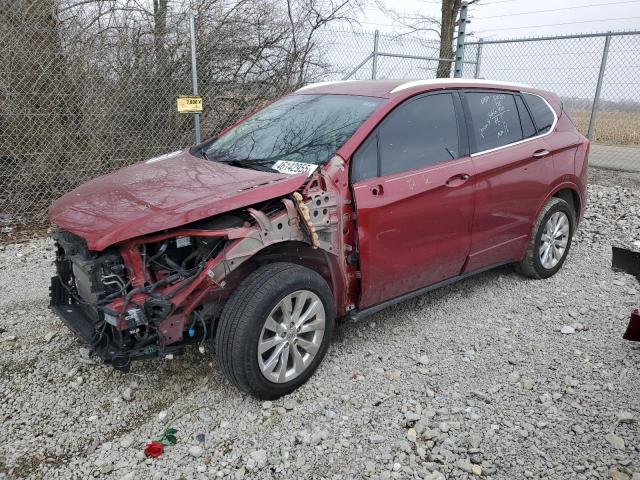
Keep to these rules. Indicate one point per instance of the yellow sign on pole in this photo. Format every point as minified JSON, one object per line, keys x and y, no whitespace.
{"x":189,"y":104}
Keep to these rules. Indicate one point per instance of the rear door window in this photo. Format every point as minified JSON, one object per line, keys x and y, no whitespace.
{"x":494,"y":120}
{"x":542,"y":114}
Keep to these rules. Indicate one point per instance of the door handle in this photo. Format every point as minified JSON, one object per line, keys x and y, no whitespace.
{"x":376,"y":190}
{"x":457,"y":180}
{"x":540,"y":153}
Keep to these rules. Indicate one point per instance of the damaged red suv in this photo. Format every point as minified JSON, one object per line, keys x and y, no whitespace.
{"x":333,"y":202}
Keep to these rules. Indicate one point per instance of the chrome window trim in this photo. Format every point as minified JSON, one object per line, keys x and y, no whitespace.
{"x":524,"y":140}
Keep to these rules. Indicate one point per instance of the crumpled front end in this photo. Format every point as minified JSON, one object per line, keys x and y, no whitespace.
{"x":153,"y":295}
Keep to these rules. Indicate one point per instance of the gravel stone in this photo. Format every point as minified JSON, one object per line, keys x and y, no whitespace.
{"x":527,"y":383}
{"x":626,"y":417}
{"x":260,"y":457}
{"x":514,"y":377}
{"x":567,"y":329}
{"x":616,"y":474}
{"x":615,"y":440}
{"x":127,"y":394}
{"x":465,"y":465}
{"x":555,"y":421}
{"x":196,"y":451}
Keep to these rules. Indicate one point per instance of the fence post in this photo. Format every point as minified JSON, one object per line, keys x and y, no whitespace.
{"x":194,"y":69}
{"x":374,"y":62}
{"x":462,"y":26}
{"x":596,"y":98}
{"x":476,"y":73}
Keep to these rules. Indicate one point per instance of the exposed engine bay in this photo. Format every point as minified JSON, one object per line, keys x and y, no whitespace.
{"x":151,"y":296}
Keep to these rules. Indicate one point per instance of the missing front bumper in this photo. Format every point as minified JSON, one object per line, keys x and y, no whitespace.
{"x":84,"y":321}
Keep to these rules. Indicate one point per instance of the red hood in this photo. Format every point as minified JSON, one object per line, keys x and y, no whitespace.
{"x":171,"y":191}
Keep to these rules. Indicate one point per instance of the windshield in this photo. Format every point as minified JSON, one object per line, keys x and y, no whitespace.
{"x":298,"y":128}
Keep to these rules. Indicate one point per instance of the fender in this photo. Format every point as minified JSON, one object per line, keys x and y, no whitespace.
{"x":566,"y":182}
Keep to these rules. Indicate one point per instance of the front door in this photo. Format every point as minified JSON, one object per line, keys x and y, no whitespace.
{"x":413,"y":186}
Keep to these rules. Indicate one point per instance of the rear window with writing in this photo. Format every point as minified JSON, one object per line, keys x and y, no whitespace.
{"x":495,"y":120}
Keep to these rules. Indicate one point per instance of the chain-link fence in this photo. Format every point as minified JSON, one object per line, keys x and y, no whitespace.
{"x":597,"y":76}
{"x":84,"y":92}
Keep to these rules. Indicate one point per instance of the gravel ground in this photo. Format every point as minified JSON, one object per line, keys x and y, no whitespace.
{"x":474,"y":379}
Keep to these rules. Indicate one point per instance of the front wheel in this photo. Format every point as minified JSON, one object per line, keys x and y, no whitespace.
{"x":275,"y":329}
{"x":550,"y":240}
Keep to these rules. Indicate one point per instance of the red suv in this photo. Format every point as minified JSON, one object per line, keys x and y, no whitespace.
{"x":335,"y":201}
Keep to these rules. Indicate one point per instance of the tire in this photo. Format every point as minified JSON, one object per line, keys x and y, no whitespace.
{"x":243,"y":326}
{"x":533,"y":264}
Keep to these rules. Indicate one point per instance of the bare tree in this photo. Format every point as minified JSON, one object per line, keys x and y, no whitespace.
{"x":444,"y":28}
{"x":449,"y":15}
{"x":159,"y":31}
{"x":88,"y":86}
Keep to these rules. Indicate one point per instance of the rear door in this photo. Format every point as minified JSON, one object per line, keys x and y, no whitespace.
{"x":514,"y":169}
{"x":412,"y":181}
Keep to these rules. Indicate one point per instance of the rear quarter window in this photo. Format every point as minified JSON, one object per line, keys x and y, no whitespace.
{"x":543,"y":117}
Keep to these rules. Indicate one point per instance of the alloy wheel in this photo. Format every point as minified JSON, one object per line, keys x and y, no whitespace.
{"x":291,"y":336}
{"x":553,"y":242}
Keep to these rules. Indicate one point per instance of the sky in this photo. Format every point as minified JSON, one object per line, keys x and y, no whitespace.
{"x":570,"y":67}
{"x":494,"y":19}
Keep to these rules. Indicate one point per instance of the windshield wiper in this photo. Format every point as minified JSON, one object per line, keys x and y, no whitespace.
{"x":254,"y":164}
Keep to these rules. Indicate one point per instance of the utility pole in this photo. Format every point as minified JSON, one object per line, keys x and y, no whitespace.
{"x":462,"y":26}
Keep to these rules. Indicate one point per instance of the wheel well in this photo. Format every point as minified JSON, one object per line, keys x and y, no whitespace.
{"x":295,"y":252}
{"x":572,"y":198}
{"x":298,"y":253}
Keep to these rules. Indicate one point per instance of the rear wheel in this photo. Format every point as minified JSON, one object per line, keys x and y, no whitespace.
{"x":275,"y":329}
{"x":550,"y":240}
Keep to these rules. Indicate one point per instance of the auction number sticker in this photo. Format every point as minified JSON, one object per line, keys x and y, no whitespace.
{"x":294,"y":168}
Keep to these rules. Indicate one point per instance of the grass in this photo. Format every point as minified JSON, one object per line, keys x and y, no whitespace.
{"x":612,"y":128}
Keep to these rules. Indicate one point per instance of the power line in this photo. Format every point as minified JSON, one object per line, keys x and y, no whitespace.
{"x":557,"y":24}
{"x":554,"y":9}
{"x":497,"y":1}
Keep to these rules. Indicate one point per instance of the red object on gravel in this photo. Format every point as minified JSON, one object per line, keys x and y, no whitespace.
{"x":633,"y":329}
{"x":154,"y":449}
